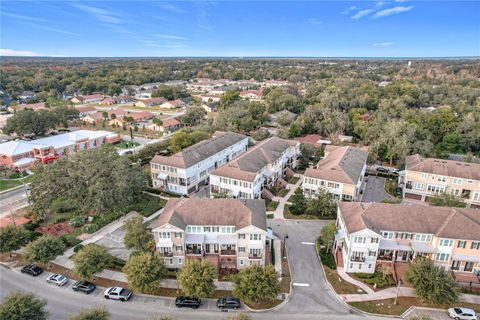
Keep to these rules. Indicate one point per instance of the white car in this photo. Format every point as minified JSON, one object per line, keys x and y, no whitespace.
{"x":117,"y":293}
{"x":462,"y":314}
{"x":57,"y":279}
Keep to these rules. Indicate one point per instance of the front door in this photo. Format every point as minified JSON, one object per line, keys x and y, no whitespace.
{"x":207,"y":248}
{"x":404,"y":255}
{"x":455,"y":265}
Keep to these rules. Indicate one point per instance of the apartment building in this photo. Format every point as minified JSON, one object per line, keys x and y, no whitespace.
{"x":340,"y":172}
{"x":425,"y":177}
{"x":230,"y":233}
{"x":376,"y":233}
{"x":187,"y":170}
{"x":22,"y":154}
{"x":259,"y":167}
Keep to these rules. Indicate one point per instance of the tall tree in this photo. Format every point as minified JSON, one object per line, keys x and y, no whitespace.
{"x":12,"y":238}
{"x":28,"y":121}
{"x":21,"y":306}
{"x":256,"y":283}
{"x":145,"y":271}
{"x":322,"y":205}
{"x":95,"y":313}
{"x":432,"y":284}
{"x":327,"y":235}
{"x":109,"y":181}
{"x":193,"y":116}
{"x":197,"y":277}
{"x":136,"y":234}
{"x":90,"y":260}
{"x":44,"y":249}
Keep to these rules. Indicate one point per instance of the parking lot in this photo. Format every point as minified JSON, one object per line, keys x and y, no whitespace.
{"x":374,"y":189}
{"x":433,"y":314}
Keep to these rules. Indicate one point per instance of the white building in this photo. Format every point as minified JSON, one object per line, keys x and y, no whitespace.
{"x":231,"y":234}
{"x":259,"y":167}
{"x":187,"y":170}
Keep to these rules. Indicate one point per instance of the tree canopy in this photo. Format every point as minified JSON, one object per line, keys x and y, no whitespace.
{"x":90,"y":260}
{"x":446,"y":200}
{"x":256,"y":283}
{"x":12,"y":238}
{"x":136,"y":234}
{"x":27,"y":121}
{"x":44,"y":249}
{"x":145,"y":271}
{"x":21,"y":306}
{"x":95,"y":313}
{"x":197,"y":277}
{"x":107,"y":180}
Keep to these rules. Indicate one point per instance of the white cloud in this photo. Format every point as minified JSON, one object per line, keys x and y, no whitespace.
{"x":100,"y":14}
{"x":314,"y":21}
{"x":362,"y":13}
{"x":169,"y":37}
{"x":383,"y":44}
{"x":22,"y":17}
{"x":392,"y":11}
{"x":347,"y":11}
{"x":18,"y":53}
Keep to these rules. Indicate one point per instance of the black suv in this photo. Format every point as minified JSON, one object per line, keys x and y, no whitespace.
{"x":32,"y":270}
{"x":83,"y":286}
{"x":189,"y":302}
{"x":228,"y":303}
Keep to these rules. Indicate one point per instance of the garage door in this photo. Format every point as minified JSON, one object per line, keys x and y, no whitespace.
{"x":413,"y":196}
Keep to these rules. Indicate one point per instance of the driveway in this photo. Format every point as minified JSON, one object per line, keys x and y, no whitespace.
{"x":433,"y":314}
{"x":374,"y":190}
{"x":311,"y":294}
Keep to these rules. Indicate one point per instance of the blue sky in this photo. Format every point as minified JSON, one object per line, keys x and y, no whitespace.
{"x":229,"y":28}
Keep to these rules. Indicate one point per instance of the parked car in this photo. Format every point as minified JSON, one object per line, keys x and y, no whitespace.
{"x":382,"y":169}
{"x":462,"y":314}
{"x":228,"y":303}
{"x":117,"y":293}
{"x":189,"y":302}
{"x":83,"y":286}
{"x":57,"y":279}
{"x":32,"y":269}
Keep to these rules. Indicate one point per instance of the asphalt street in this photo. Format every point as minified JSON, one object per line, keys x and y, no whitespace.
{"x":311,"y":297}
{"x":375,"y":190}
{"x":12,"y":200}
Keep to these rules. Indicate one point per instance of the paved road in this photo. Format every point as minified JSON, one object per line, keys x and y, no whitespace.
{"x":375,"y":190}
{"x":12,"y":200}
{"x":312,"y":299}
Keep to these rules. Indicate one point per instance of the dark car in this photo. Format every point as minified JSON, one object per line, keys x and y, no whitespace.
{"x":382,"y":169}
{"x":228,"y":303}
{"x":83,"y":286}
{"x":189,"y":302}
{"x":32,"y":270}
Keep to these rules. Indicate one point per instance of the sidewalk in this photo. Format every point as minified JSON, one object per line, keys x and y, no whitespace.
{"x":278,"y":213}
{"x":341,"y":272}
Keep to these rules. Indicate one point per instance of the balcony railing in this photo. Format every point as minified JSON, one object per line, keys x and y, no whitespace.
{"x":227,"y":252}
{"x":193,"y":251}
{"x":165,"y":254}
{"x":388,"y":257}
{"x":255,"y":256}
{"x":357,"y":259}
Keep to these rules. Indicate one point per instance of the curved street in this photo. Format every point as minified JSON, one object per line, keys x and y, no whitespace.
{"x":311,"y":298}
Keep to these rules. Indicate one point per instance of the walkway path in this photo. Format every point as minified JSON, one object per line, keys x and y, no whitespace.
{"x":278,"y":213}
{"x":346,"y":277}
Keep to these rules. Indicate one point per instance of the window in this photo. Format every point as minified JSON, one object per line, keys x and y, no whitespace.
{"x":442,"y":178}
{"x":442,"y":257}
{"x":387,"y":235}
{"x":351,"y":265}
{"x":476,"y":196}
{"x":359,"y":239}
{"x":178,"y":235}
{"x":456,"y":181}
{"x":455,"y":192}
{"x":423,"y":237}
{"x":424,"y":176}
{"x":446,"y":243}
{"x":241,"y":249}
{"x":180,"y":261}
{"x":241,"y":236}
{"x":370,"y":266}
{"x":241,"y":262}
{"x":215,"y":229}
{"x":461,"y":244}
{"x":178,"y":248}
{"x":206,"y":229}
{"x":372,"y":254}
{"x":359,"y":266}
{"x":475,"y":245}
{"x":164,"y":235}
{"x":255,"y":236}
{"x":418,"y":186}
{"x":374,"y":240}
{"x":470,"y":181}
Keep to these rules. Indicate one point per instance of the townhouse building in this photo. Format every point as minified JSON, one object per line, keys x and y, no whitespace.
{"x":187,"y":170}
{"x":230,"y":233}
{"x":340,"y":172}
{"x":92,"y":98}
{"x":425,"y":177}
{"x":22,"y":155}
{"x":258,"y":168}
{"x":374,"y":234}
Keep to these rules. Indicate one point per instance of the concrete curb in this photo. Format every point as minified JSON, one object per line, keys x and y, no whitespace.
{"x":413,"y":308}
{"x":14,"y":188}
{"x":339,"y":298}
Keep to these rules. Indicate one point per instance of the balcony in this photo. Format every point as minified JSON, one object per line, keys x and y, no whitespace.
{"x":255,"y":256}
{"x":387,"y":257}
{"x":357,"y":259}
{"x":227,"y":252}
{"x":165,"y":254}
{"x":193,"y":251}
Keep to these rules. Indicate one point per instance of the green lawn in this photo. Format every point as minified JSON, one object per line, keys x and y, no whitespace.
{"x":148,"y":204}
{"x":126,"y":144}
{"x":288,"y":215}
{"x":282,"y":193}
{"x":8,"y":184}
{"x":293,"y":180}
{"x":272,"y":205}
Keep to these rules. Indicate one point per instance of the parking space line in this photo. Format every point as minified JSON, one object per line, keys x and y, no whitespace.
{"x":309,"y":243}
{"x":297,"y":284}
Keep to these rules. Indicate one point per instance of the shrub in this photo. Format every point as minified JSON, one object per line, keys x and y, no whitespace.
{"x":90,"y":228}
{"x":326,"y":257}
{"x":77,"y":221}
{"x":61,"y":206}
{"x":77,"y":248}
{"x":70,"y":240}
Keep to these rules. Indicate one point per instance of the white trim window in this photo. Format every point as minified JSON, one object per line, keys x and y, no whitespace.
{"x":423,"y":237}
{"x":446,"y":243}
{"x":358,"y":239}
{"x":457,"y":181}
{"x":387,"y":235}
{"x":442,"y":257}
{"x":418,"y":186}
{"x":435,"y":189}
{"x":164,"y":235}
{"x":476,"y":196}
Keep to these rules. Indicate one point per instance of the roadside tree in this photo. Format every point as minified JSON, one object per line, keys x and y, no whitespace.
{"x":256,"y":283}
{"x":136,"y":234}
{"x":44,"y":249}
{"x":21,"y":306}
{"x":327,"y":234}
{"x":96,"y":313}
{"x":196,"y":278}
{"x":145,"y":271}
{"x":90,"y":260}
{"x":12,"y":238}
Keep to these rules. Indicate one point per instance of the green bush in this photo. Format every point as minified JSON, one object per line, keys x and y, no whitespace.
{"x":59,"y":219}
{"x":77,"y":221}
{"x":77,"y":248}
{"x":70,"y":240}
{"x":90,"y":228}
{"x":61,"y":206}
{"x":31,"y":226}
{"x":270,"y":215}
{"x":377,"y":279}
{"x":326,"y":258}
